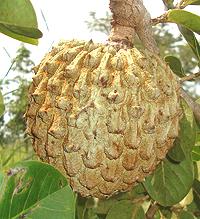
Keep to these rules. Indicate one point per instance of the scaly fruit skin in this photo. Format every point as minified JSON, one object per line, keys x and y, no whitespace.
{"x":104,"y":117}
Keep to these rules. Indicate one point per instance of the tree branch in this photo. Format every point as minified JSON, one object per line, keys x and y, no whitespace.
{"x":161,"y":19}
{"x":152,"y":210}
{"x":190,"y":77}
{"x":180,"y":5}
{"x":10,"y":92}
{"x":140,"y":199}
{"x":130,"y":17}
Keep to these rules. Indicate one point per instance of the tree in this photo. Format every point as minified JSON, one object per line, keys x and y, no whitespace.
{"x":16,"y":101}
{"x":20,"y":24}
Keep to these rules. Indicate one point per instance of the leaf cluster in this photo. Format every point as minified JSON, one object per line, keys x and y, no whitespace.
{"x":16,"y":99}
{"x":18,"y":20}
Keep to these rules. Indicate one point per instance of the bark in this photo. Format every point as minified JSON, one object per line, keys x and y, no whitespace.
{"x":130,"y":17}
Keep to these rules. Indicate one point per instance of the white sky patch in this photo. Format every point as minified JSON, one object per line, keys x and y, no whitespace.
{"x":66,"y":20}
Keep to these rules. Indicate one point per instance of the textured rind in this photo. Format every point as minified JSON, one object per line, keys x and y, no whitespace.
{"x":104,"y":117}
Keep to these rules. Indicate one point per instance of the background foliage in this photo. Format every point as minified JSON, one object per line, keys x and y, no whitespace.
{"x":31,"y":189}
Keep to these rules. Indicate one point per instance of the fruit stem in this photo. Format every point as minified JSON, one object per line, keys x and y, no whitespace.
{"x":130,"y":17}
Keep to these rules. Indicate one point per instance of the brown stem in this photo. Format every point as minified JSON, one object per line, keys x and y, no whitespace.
{"x":190,"y":77}
{"x":163,"y":18}
{"x":151,"y":211}
{"x":158,"y":20}
{"x":140,"y":199}
{"x":130,"y":17}
{"x":180,"y":5}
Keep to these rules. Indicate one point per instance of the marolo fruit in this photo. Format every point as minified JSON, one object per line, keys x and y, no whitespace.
{"x":104,"y":116}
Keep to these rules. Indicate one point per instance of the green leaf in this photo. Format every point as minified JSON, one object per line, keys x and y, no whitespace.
{"x":19,"y":13}
{"x":176,"y":153}
{"x":175,"y":65}
{"x":25,"y":39}
{"x":191,"y":40}
{"x":196,"y":153}
{"x":196,"y":192}
{"x":157,"y":215}
{"x":24,"y":31}
{"x":196,"y":171}
{"x":194,"y":207}
{"x":104,"y":206}
{"x":1,"y":182}
{"x":166,"y":212}
{"x":80,"y":207}
{"x":59,"y":204}
{"x":185,"y":215}
{"x":184,"y":143}
{"x":138,"y":212}
{"x":2,"y":107}
{"x":136,"y":192}
{"x":191,"y":2}
{"x":170,"y":182}
{"x":36,"y":190}
{"x":125,"y":209}
{"x":86,"y":208}
{"x":90,"y":214}
{"x":185,"y":18}
{"x":168,"y":3}
{"x":18,"y":20}
{"x":198,"y":123}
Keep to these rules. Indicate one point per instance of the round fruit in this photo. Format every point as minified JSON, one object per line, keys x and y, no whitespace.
{"x":104,"y":116}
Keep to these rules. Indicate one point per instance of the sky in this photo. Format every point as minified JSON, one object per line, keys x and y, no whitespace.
{"x":66,"y":20}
